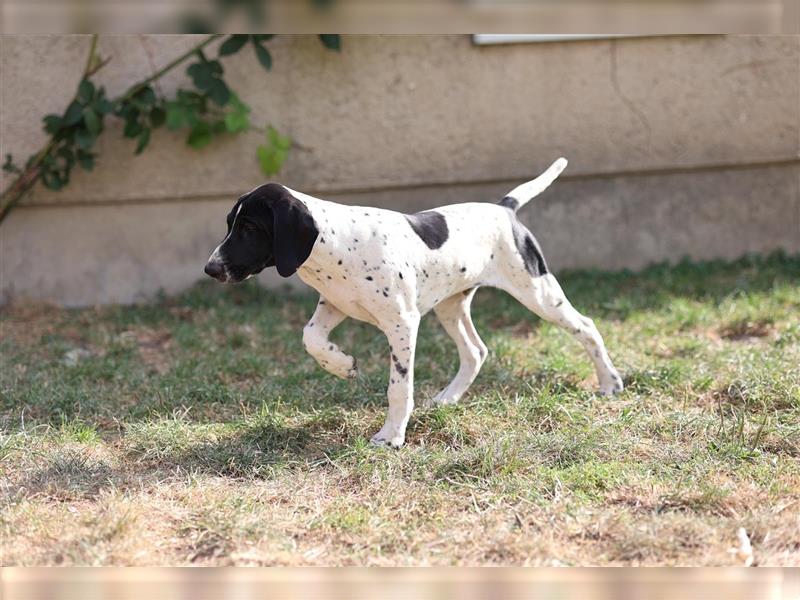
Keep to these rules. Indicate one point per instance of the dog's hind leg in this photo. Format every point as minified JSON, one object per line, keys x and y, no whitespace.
{"x":544,"y":296}
{"x":454,"y":315}
{"x":315,"y":339}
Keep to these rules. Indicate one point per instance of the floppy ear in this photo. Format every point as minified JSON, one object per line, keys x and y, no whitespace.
{"x":294,"y":235}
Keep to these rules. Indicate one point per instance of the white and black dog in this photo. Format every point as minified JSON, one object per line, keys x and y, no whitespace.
{"x":389,"y":269}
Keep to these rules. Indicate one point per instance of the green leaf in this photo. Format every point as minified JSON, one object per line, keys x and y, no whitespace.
{"x":85,"y":92}
{"x":236,"y":121}
{"x":146,"y":96}
{"x":277,"y":140}
{"x":262,"y":37}
{"x":271,"y":159}
{"x":176,"y":115}
{"x":124,"y":109}
{"x":132,"y":128}
{"x":9,"y":166}
{"x":219,"y":92}
{"x":85,"y":139}
{"x":86,"y":159}
{"x":73,"y":114}
{"x":52,"y":180}
{"x":201,"y":75}
{"x":189,"y":97}
{"x":157,"y":116}
{"x":69,"y":157}
{"x":93,"y":123}
{"x":103,"y":106}
{"x":200,"y":135}
{"x":144,"y":139}
{"x":218,"y":127}
{"x":232,"y":45}
{"x":274,"y":153}
{"x":264,"y":57}
{"x":52,"y":123}
{"x":332,"y":41}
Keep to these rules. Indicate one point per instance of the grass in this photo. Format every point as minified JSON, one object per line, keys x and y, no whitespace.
{"x":196,"y":431}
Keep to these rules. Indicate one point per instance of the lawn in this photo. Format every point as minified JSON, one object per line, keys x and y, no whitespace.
{"x":195,"y":430}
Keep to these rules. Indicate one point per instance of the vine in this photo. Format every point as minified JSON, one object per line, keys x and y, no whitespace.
{"x":208,"y":110}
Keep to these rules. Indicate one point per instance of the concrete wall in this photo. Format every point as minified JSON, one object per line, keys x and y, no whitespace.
{"x":677,"y":146}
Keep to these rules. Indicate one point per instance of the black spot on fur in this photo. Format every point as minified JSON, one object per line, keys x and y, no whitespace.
{"x":369,"y":277}
{"x":509,"y":202}
{"x":400,"y":368}
{"x":463,"y":269}
{"x":430,"y":226}
{"x":401,"y":275}
{"x":528,"y":248}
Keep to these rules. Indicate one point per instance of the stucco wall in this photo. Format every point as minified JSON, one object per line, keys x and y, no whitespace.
{"x":677,"y":146}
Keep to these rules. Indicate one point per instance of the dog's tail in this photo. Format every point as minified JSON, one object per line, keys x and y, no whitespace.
{"x":522,"y":194}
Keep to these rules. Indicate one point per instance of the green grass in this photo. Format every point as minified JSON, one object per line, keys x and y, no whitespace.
{"x":197,"y":431}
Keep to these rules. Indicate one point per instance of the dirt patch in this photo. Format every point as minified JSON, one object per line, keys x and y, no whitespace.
{"x":518,"y":329}
{"x":154,"y":347}
{"x":25,"y":324}
{"x":745,"y":329}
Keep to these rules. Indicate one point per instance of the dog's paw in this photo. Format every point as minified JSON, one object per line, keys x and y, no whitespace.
{"x":352,"y":372}
{"x":440,"y":399}
{"x":382,"y":440}
{"x":344,"y":368}
{"x":611,"y":385}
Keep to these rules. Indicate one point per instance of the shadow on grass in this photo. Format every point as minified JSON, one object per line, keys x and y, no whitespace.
{"x":257,"y":448}
{"x":70,"y":474}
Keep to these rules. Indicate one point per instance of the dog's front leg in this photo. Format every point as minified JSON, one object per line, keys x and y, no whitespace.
{"x":317,"y":344}
{"x":402,"y":336}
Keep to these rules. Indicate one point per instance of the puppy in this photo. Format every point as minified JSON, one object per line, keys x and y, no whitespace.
{"x":389,"y":269}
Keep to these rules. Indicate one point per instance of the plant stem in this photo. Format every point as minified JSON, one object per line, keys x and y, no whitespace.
{"x":158,"y":74}
{"x":31,"y":174}
{"x":90,"y":58}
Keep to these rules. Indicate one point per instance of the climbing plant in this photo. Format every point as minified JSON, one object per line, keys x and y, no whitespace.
{"x":205,"y":111}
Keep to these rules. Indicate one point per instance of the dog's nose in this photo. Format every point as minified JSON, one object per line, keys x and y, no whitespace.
{"x":214,"y":269}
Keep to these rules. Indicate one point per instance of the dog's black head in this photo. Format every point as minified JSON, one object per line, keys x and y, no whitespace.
{"x":266,"y":227}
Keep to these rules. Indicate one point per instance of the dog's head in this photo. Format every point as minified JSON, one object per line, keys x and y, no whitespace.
{"x":267,"y":227}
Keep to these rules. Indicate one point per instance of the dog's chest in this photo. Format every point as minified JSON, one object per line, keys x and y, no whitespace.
{"x":355,"y":263}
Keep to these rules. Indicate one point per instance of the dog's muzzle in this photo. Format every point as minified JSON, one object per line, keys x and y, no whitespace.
{"x":216,"y":270}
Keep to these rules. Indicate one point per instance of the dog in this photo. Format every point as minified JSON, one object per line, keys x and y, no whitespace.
{"x":389,"y":269}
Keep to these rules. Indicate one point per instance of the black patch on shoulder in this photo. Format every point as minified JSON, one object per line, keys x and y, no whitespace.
{"x":430,"y":226}
{"x":509,"y":202}
{"x":529,"y":249}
